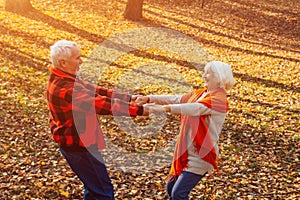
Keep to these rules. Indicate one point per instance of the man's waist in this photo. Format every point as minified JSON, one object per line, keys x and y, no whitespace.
{"x":78,"y":148}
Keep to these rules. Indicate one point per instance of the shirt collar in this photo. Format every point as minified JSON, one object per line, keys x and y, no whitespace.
{"x":62,"y":73}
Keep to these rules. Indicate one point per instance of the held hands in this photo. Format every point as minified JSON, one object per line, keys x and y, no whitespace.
{"x":141,"y":100}
{"x":135,"y":97}
{"x":149,"y":107}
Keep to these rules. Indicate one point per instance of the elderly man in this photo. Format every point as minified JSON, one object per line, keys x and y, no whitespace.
{"x":74,"y":105}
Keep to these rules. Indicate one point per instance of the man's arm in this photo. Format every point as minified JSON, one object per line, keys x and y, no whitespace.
{"x":107,"y":92}
{"x":85,"y":100}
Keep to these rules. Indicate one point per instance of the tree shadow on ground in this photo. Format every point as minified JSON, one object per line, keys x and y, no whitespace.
{"x":37,"y":15}
{"x":237,"y":38}
{"x":62,"y":25}
{"x":244,"y":77}
{"x":28,"y":59}
{"x":245,"y":20}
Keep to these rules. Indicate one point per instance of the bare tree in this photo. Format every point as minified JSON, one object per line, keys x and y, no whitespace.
{"x":134,"y":10}
{"x":17,"y":5}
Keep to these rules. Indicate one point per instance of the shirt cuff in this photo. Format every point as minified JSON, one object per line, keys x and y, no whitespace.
{"x":140,"y":111}
{"x":175,"y":109}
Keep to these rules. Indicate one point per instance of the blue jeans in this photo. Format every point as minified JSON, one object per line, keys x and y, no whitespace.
{"x":180,"y":187}
{"x":91,"y":170}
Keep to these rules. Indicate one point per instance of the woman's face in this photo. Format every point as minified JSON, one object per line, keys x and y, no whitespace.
{"x":210,"y":79}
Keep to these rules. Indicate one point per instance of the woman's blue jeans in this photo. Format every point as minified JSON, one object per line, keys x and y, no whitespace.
{"x":91,"y":170}
{"x":180,"y":187}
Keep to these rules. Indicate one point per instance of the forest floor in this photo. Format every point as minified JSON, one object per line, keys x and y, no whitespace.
{"x":163,"y":53}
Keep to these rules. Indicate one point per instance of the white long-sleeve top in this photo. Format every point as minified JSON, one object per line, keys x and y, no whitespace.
{"x":214,"y":122}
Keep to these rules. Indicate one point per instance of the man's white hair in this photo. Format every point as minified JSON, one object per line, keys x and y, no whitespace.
{"x":223,"y":72}
{"x":61,"y":50}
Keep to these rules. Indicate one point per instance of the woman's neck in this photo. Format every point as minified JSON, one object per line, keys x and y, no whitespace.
{"x":212,"y":89}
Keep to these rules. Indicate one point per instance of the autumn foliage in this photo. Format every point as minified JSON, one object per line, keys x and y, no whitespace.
{"x":259,"y":145}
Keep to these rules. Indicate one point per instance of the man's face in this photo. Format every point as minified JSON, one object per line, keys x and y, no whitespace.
{"x":71,"y":65}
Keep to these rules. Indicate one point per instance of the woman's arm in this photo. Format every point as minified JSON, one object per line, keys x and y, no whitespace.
{"x":164,"y":99}
{"x":159,"y":99}
{"x":192,"y":109}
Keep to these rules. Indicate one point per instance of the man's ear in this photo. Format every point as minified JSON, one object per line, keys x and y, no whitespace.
{"x":62,"y":63}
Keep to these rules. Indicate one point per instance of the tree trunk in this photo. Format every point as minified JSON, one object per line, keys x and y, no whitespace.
{"x":134,"y":9}
{"x":17,"y":5}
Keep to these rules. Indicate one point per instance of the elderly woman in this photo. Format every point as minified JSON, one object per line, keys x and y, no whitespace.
{"x":202,"y":116}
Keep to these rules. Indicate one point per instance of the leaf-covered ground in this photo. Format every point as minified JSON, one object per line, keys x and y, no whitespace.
{"x":259,"y":145}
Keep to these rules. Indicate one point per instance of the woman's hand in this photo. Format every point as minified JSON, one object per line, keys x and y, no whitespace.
{"x":134,"y":97}
{"x":167,"y":108}
{"x":141,"y":100}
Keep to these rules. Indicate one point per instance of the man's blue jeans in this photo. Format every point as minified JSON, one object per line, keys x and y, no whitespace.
{"x":91,"y":170}
{"x":179,"y":188}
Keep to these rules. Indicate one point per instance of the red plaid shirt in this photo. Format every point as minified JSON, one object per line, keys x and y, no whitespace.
{"x":74,"y":105}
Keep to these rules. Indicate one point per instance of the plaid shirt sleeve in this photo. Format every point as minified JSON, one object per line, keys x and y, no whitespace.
{"x":107,"y":92}
{"x":102,"y":101}
{"x":73,"y":108}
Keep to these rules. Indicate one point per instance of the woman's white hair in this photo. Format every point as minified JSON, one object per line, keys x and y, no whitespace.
{"x":61,"y":50}
{"x":223,"y":73}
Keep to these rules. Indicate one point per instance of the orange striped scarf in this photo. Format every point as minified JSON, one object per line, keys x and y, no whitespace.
{"x":215,"y":100}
